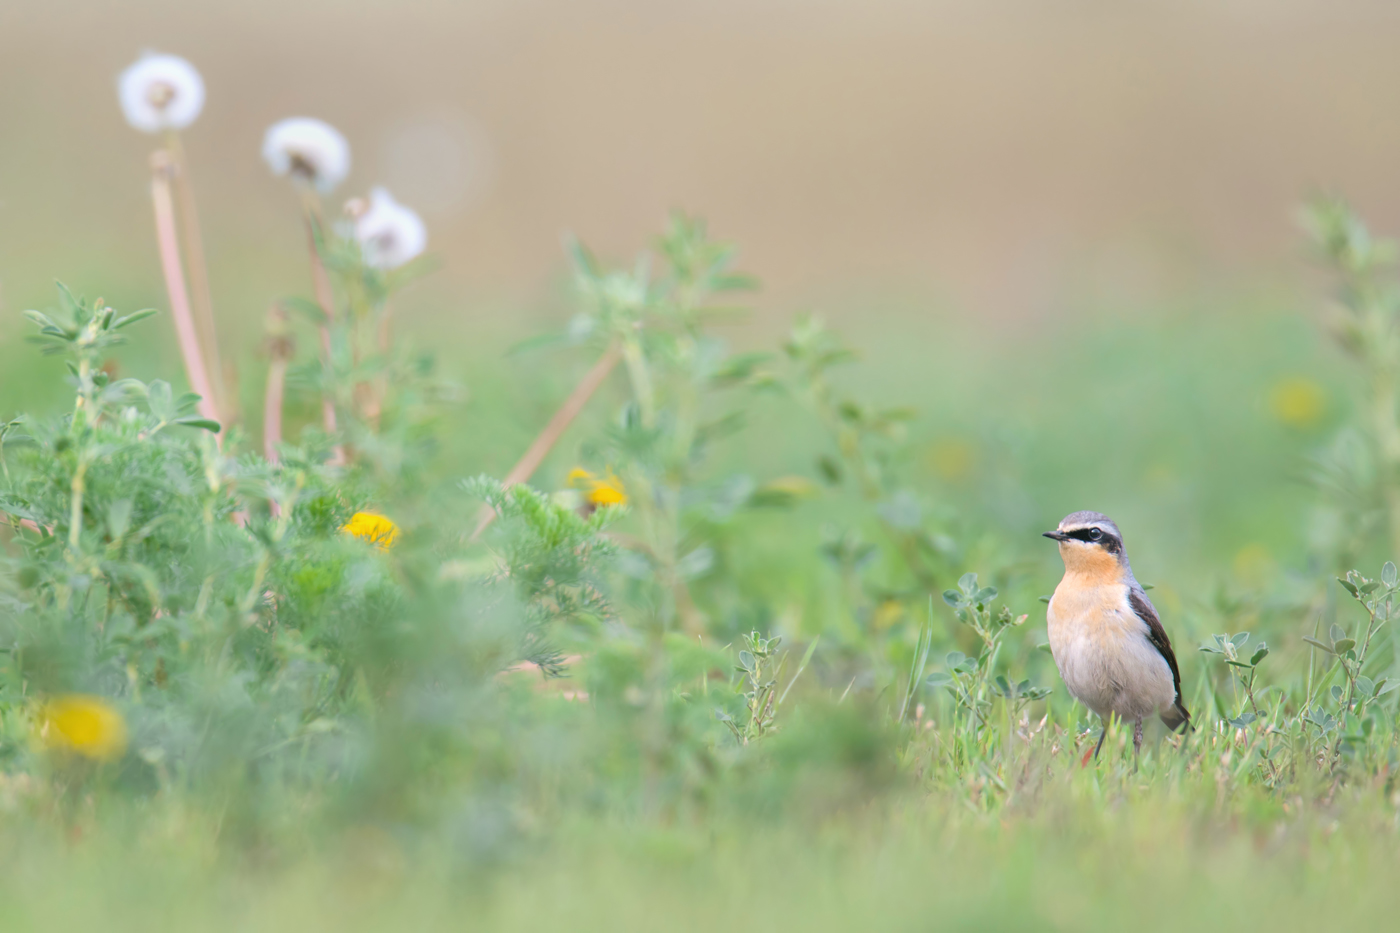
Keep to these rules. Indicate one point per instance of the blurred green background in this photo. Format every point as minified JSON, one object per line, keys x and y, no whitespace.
{"x":1065,"y":235}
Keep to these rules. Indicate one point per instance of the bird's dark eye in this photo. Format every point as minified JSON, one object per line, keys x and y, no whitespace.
{"x":1095,"y":534}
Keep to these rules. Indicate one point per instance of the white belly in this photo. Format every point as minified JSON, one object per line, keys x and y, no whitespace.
{"x":1103,"y":653}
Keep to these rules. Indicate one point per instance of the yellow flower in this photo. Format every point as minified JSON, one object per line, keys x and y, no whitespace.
{"x":86,"y":725}
{"x":952,"y":458}
{"x":1297,"y":402}
{"x":1254,"y":565}
{"x":600,"y":492}
{"x":372,"y":527}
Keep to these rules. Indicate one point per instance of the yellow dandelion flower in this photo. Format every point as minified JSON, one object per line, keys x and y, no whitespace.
{"x":886,"y":615}
{"x":599,"y":492}
{"x":85,"y":725}
{"x":1299,"y":403}
{"x":1254,"y":565}
{"x":952,"y":458}
{"x":372,"y":527}
{"x":608,"y":492}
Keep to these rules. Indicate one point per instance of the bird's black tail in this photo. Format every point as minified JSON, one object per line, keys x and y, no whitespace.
{"x":1177,"y":717}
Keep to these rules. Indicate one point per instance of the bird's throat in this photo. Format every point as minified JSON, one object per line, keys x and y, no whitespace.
{"x":1094,"y":565}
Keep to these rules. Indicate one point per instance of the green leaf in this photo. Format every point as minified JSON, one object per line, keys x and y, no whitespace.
{"x":1260,"y":654}
{"x":132,"y":318}
{"x":938,"y":679}
{"x":160,"y":399}
{"x":47,"y":325}
{"x":1044,"y":599}
{"x":537,"y":342}
{"x":212,"y":426}
{"x":119,"y":518}
{"x":696,"y":563}
{"x":70,"y":303}
{"x":1342,"y":646}
{"x":829,"y":469}
{"x":124,"y":390}
{"x":1388,"y":574}
{"x":968,"y":583}
{"x":986,"y":594}
{"x":307,"y":309}
{"x":952,"y":598}
{"x":1317,"y":644}
{"x":1239,"y":639}
{"x":739,"y":367}
{"x":1366,"y":686}
{"x":1336,"y":632}
{"x":746,"y":661}
{"x":1350,"y":587}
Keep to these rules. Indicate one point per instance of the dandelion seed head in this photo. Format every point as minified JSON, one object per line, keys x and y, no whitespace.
{"x":389,"y":233}
{"x":308,"y":149}
{"x":355,"y":208}
{"x":160,"y":92}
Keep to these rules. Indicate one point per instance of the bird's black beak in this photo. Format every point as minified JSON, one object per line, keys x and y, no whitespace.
{"x":1056,"y":535}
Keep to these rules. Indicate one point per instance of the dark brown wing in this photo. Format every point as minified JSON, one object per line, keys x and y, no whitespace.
{"x":1177,"y":715}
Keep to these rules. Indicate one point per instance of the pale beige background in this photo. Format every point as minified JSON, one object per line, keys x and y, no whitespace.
{"x":986,"y":158}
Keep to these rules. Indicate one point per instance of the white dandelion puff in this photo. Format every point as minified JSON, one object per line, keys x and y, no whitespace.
{"x":161,"y":92}
{"x":309,"y":149}
{"x":389,"y":234}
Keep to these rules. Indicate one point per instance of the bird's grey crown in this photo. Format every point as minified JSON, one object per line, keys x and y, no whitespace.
{"x":1090,"y":520}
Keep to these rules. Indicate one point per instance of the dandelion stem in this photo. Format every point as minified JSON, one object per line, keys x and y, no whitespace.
{"x":161,"y":170}
{"x":557,"y":425}
{"x":386,"y":336}
{"x":279,"y":348}
{"x":197,"y":267}
{"x":321,"y":282}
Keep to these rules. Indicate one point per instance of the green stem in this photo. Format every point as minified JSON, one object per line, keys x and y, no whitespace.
{"x":640,"y":376}
{"x":75,"y":512}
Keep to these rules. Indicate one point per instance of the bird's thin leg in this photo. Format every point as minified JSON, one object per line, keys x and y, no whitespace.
{"x":1137,"y":737}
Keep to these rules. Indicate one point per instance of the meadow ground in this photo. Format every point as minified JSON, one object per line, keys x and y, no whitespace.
{"x":757,"y":639}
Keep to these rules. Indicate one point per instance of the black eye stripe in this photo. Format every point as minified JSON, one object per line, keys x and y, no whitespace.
{"x":1106,"y":539}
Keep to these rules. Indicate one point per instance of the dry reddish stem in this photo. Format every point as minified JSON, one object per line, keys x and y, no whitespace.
{"x":547,"y":438}
{"x":197,"y":268}
{"x":168,"y":242}
{"x":279,"y":348}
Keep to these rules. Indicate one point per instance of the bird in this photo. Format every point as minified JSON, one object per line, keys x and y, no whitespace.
{"x":1105,"y":635}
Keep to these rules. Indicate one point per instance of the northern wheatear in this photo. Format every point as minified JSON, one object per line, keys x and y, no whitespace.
{"x":1105,"y":636}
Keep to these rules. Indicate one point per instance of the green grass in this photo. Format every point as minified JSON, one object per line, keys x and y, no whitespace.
{"x":325,"y":735}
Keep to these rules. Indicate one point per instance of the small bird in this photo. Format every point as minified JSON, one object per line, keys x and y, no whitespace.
{"x":1105,"y":636}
